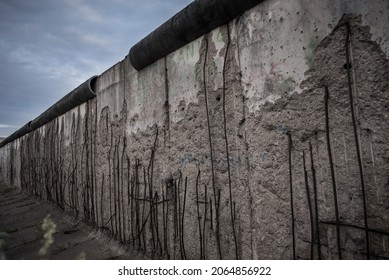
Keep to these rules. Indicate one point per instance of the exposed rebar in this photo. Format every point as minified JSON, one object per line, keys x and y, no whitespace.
{"x":291,"y":193}
{"x":309,"y":205}
{"x":315,"y":203}
{"x":359,"y":156}
{"x":326,"y":110}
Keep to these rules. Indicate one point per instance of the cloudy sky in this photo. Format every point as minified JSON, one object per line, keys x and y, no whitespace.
{"x":49,"y":47}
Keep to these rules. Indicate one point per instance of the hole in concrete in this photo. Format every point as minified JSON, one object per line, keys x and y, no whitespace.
{"x":345,"y":66}
{"x":70,"y":231}
{"x":218,"y":98}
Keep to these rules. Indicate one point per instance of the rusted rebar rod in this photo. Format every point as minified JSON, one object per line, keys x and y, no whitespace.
{"x":326,"y":110}
{"x":290,"y":143}
{"x":313,"y":171}
{"x":356,"y":138}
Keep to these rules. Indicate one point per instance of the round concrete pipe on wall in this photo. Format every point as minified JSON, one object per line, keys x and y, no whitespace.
{"x":17,"y":134}
{"x":79,"y":95}
{"x":76,"y":97}
{"x":197,"y":19}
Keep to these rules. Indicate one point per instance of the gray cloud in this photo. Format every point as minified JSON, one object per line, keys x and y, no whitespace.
{"x":47,"y":48}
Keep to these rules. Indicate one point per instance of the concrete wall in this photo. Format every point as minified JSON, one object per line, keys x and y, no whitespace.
{"x":241,"y":144}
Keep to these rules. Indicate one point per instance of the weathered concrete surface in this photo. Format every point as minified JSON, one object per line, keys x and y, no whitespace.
{"x":222,"y":148}
{"x":21,"y":216}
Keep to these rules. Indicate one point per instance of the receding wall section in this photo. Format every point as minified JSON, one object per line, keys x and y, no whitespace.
{"x":264,"y":138}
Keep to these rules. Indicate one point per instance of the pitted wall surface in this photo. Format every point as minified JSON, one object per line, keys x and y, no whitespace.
{"x":263,"y":139}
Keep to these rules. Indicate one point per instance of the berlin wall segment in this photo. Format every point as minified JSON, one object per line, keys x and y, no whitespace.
{"x":263,"y":139}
